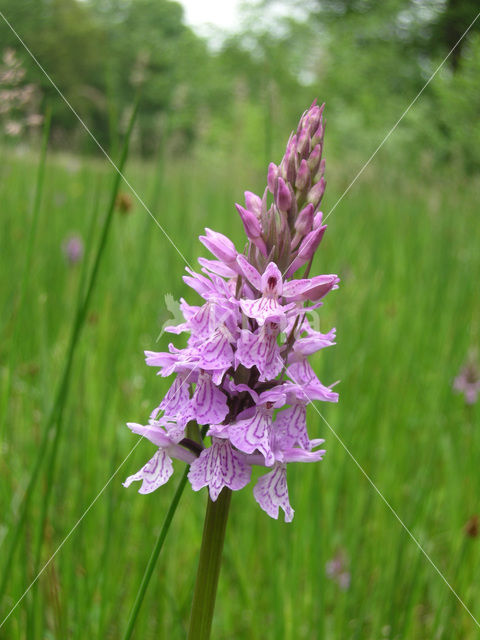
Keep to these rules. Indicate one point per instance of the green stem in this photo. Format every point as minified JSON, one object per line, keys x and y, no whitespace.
{"x":154,"y":557}
{"x":32,"y":233}
{"x":209,"y":566}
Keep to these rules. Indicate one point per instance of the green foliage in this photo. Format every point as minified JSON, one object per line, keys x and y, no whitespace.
{"x":454,"y":129}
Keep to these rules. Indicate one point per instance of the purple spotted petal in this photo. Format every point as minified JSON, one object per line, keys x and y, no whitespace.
{"x":264,"y":309}
{"x":254,"y":433}
{"x":209,"y":404}
{"x":271,"y":492}
{"x":318,"y":391}
{"x":216,"y":352}
{"x":301,"y":372}
{"x":313,"y":343}
{"x":308,"y":386}
{"x":276,"y":396}
{"x":219,"y":466}
{"x":156,"y":472}
{"x":300,"y":455}
{"x":269,"y":362}
{"x":246,"y":346}
{"x":218,"y":430}
{"x":291,"y":428}
{"x":261,"y":350}
{"x":177,"y":397}
{"x":272,"y":283}
{"x":217,"y":375}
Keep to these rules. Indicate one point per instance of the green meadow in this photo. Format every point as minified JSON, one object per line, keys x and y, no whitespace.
{"x":401,"y":469}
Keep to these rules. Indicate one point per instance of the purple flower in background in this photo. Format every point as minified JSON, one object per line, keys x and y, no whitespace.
{"x":244,"y":373}
{"x":336,"y":570}
{"x":72,"y":248}
{"x":468,"y":380}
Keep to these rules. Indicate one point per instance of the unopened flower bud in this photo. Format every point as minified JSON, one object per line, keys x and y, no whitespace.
{"x":314,"y":159}
{"x":304,"y":222}
{"x":310,"y":243}
{"x":253,"y":203}
{"x":303,"y":143}
{"x":252,"y":228}
{"x":318,"y":136}
{"x":316,"y":192}
{"x":287,"y":167}
{"x":302,"y":181}
{"x":283,"y":197}
{"x":313,"y":118}
{"x":321,"y":171}
{"x":317,"y":221}
{"x":303,"y":225}
{"x":272,"y":177}
{"x":221,"y":246}
{"x":306,"y":250}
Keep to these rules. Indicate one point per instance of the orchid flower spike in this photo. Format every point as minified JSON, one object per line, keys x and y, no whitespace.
{"x":245,"y":373}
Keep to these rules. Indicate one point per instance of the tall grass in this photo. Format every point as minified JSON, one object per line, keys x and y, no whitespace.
{"x":406,"y":248}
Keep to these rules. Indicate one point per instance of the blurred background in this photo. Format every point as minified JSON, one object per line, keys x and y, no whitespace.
{"x":205,"y":95}
{"x":239,"y":89}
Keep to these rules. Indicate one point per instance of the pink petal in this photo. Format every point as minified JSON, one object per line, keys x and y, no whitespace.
{"x":216,"y":352}
{"x":300,"y":455}
{"x":209,"y":404}
{"x":263,"y":309}
{"x":310,"y":288}
{"x":272,"y":283}
{"x":261,"y":350}
{"x":254,"y":433}
{"x":271,"y":492}
{"x":217,"y":267}
{"x":154,"y":433}
{"x":290,"y":428}
{"x":177,"y":397}
{"x":245,"y":346}
{"x":268,"y":356}
{"x":156,"y":472}
{"x":250,"y":273}
{"x":219,"y":466}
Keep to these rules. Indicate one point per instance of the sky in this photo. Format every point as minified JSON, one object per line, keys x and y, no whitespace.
{"x":220,"y":13}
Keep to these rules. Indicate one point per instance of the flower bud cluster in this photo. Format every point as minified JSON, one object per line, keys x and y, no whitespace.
{"x":288,"y":225}
{"x":244,"y":374}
